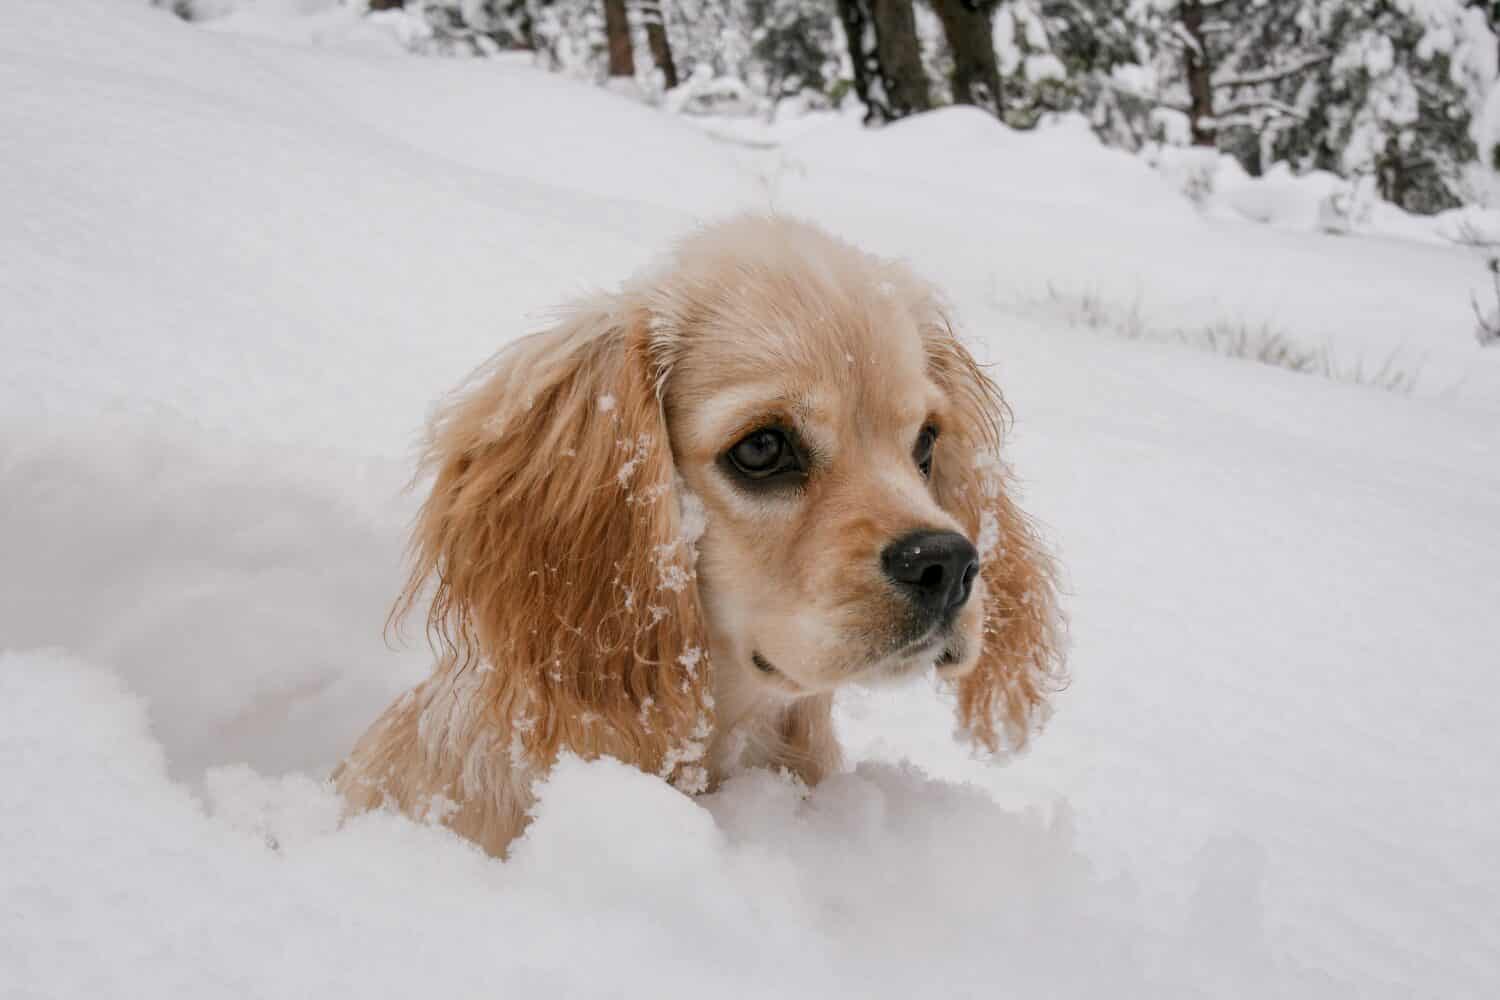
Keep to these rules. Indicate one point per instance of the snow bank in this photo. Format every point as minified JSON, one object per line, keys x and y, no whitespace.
{"x":1059,"y":165}
{"x":1314,"y":201}
{"x":883,"y":882}
{"x":240,"y":589}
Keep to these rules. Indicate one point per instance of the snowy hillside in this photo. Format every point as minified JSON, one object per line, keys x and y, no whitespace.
{"x":237,"y":270}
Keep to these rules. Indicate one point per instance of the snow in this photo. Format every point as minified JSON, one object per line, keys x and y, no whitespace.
{"x":238,"y":270}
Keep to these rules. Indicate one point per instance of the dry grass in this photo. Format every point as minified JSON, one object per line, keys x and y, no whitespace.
{"x":1261,"y":343}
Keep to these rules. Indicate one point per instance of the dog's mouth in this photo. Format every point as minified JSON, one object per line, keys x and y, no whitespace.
{"x":939,"y":650}
{"x":943,"y":645}
{"x":944,"y":649}
{"x":769,"y":671}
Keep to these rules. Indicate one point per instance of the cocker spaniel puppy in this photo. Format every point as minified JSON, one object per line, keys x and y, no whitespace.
{"x":669,"y":527}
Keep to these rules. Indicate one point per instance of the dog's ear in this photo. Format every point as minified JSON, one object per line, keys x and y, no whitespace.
{"x":1003,"y":700}
{"x":554,"y":543}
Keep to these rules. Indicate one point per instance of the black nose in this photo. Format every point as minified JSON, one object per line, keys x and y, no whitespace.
{"x":935,"y":568}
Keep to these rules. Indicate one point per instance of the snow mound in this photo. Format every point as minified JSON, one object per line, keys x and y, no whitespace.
{"x":241,"y":590}
{"x":1057,"y":165}
{"x":882,"y":882}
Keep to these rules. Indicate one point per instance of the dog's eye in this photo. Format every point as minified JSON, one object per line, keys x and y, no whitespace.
{"x":922,"y":451}
{"x":764,"y":453}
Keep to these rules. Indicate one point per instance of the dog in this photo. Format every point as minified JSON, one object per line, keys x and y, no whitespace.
{"x":670,"y":527}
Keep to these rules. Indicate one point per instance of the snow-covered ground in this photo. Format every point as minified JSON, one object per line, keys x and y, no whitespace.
{"x":236,"y":270}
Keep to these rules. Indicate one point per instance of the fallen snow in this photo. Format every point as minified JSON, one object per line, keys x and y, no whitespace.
{"x":235,"y":273}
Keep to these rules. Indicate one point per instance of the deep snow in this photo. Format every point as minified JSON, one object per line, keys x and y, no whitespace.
{"x":236,"y":271}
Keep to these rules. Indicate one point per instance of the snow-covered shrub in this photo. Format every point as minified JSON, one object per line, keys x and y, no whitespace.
{"x":796,"y":50}
{"x":1103,"y":50}
{"x":1034,"y":80}
{"x":1392,"y":102}
{"x":485,"y":25}
{"x":569,"y":36}
{"x":702,"y":93}
{"x":460,"y":27}
{"x":1379,"y":88}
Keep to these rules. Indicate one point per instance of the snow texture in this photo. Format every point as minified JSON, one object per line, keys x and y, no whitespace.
{"x":237,"y":271}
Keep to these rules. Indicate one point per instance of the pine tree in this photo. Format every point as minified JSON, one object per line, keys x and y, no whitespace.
{"x":1223,"y":63}
{"x":793,"y":48}
{"x":1392,"y":98}
{"x":1378,"y":88}
{"x":1091,"y":40}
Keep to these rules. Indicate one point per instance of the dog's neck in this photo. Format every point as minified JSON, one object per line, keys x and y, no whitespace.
{"x":758,"y":725}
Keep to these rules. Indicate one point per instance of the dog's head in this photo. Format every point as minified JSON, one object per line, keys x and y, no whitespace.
{"x":771,"y":456}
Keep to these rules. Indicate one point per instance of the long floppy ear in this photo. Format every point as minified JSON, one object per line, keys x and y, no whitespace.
{"x":554,"y":543}
{"x":1003,"y":700}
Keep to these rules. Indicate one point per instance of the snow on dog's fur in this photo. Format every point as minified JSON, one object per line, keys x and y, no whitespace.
{"x":604,"y":578}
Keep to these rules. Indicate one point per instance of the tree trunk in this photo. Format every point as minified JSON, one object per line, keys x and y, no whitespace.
{"x":888,"y":74}
{"x":1199,"y":75}
{"x":617,"y":31}
{"x":654,"y":18}
{"x":968,"y":25}
{"x":901,"y":56}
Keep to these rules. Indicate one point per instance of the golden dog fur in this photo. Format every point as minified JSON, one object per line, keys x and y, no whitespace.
{"x":598,"y":585}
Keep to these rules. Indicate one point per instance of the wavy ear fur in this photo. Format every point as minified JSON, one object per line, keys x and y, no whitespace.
{"x":553,"y":543}
{"x":1003,"y":700}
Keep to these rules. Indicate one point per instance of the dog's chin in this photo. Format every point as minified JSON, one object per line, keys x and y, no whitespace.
{"x":894,"y":673}
{"x":946,"y":655}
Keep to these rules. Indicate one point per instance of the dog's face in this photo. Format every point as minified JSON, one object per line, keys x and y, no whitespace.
{"x":812,"y":435}
{"x":842,"y":444}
